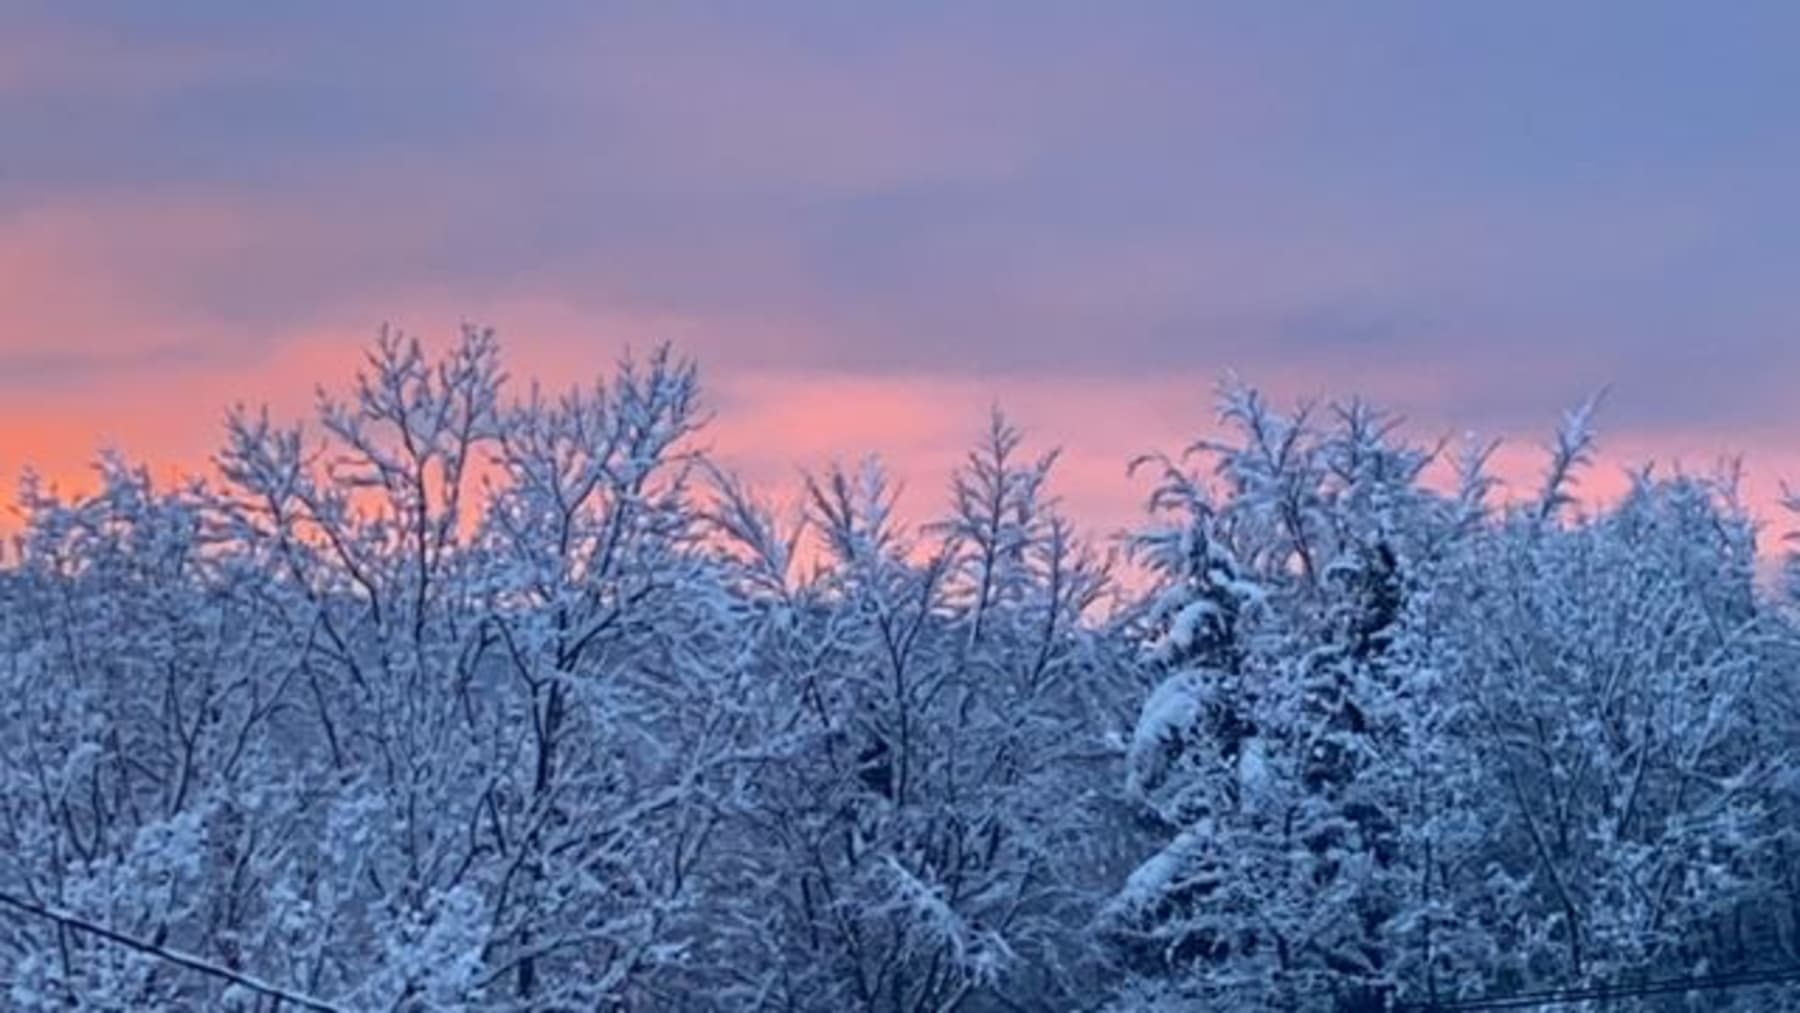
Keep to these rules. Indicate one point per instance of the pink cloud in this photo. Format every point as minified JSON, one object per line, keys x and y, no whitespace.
{"x":87,"y":285}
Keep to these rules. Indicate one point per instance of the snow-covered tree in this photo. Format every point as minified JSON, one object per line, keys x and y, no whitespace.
{"x":924,"y":839}
{"x":145,"y":688}
{"x":468,"y":695}
{"x":1283,"y":747}
{"x":433,"y":709}
{"x":1611,"y":668}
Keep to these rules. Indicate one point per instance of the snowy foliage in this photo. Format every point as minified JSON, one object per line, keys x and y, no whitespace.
{"x":1406,"y":747}
{"x":467,"y":694}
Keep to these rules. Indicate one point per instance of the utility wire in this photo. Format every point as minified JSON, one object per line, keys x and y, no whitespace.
{"x":1553,"y":997}
{"x":187,"y":960}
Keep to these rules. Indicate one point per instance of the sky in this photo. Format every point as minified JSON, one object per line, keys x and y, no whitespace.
{"x":871,"y":221}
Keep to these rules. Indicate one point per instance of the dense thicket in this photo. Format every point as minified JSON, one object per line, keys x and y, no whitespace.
{"x":467,"y":696}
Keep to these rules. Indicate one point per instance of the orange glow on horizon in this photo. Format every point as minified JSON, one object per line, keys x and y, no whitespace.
{"x":772,"y":426}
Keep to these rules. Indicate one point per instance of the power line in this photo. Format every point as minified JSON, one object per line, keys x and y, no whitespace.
{"x":176,"y":957}
{"x":1552,"y":997}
